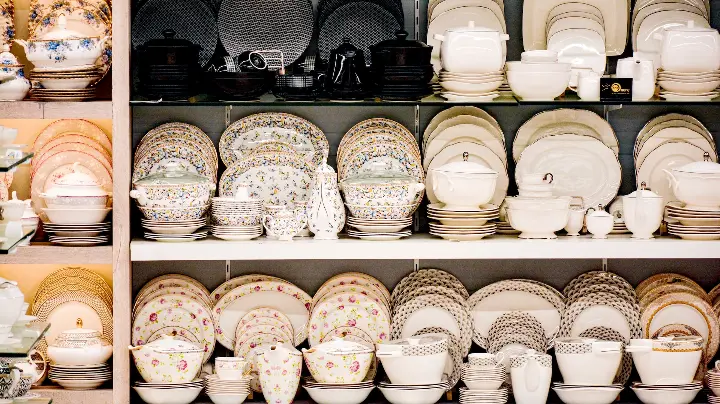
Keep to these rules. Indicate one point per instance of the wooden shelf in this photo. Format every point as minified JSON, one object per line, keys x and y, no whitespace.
{"x":55,"y":110}
{"x":62,"y":396}
{"x":46,"y":253}
{"x":424,"y":246}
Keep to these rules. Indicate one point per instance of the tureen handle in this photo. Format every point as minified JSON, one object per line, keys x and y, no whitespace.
{"x":140,"y":195}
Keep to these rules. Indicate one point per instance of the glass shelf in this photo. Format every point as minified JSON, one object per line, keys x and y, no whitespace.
{"x":9,"y":246}
{"x":570,"y":99}
{"x":10,"y":163}
{"x":31,"y":335}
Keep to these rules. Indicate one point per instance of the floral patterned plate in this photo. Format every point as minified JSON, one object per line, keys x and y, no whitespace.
{"x":175,"y":311}
{"x":354,"y":278}
{"x":282,"y":296}
{"x":180,"y":132}
{"x":348,"y":309}
{"x":79,"y":127}
{"x":271,"y":325}
{"x":251,"y":131}
{"x":233,"y":283}
{"x":276,"y":178}
{"x":186,"y":156}
{"x":376,"y":123}
{"x":100,"y":156}
{"x":174,"y":280}
{"x":7,"y":25}
{"x":364,"y":158}
{"x":375,"y":137}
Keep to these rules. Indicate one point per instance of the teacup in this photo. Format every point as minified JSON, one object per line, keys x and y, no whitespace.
{"x":10,"y":384}
{"x":272,"y":210}
{"x":588,"y":86}
{"x":230,"y":368}
{"x":282,"y":224}
{"x":486,"y":360}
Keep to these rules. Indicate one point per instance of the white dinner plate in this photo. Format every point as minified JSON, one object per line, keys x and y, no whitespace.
{"x":669,"y":155}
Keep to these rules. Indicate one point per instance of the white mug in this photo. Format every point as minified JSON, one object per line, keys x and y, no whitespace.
{"x":642,"y":72}
{"x":588,"y":87}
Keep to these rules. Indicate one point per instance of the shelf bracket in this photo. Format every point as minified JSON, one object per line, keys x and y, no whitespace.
{"x":228,"y":109}
{"x":227,"y":270}
{"x":607,"y":109}
{"x":416,"y":264}
{"x":604,"y":264}
{"x":416,"y":20}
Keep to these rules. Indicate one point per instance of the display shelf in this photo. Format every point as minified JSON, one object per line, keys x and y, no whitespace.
{"x":59,"y":395}
{"x":10,"y":246}
{"x":31,"y":334}
{"x":40,"y":400}
{"x":56,"y":110}
{"x":424,"y":246}
{"x":46,"y":253}
{"x":11,"y":163}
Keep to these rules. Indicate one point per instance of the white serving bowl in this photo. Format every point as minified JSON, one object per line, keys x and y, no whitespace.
{"x":588,"y":361}
{"x":339,"y":395}
{"x":666,"y":396}
{"x":67,"y":84}
{"x":89,"y":355}
{"x":408,"y":396}
{"x":697,"y":184}
{"x":227,"y":398}
{"x":458,"y":86}
{"x":539,"y":56}
{"x":339,"y":361}
{"x":588,"y":395}
{"x":414,"y":370}
{"x":668,"y":362}
{"x":184,"y":395}
{"x":537,"y":67}
{"x":532,"y":203}
{"x":76,"y":216}
{"x":540,"y":86}
{"x":75,"y":202}
{"x":538,"y":223}
{"x":483,"y":384}
{"x":684,"y":87}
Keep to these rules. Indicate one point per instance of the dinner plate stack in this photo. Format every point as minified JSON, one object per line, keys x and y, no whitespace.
{"x":524,"y":303}
{"x":675,"y":305}
{"x":462,"y":225}
{"x":690,"y":224}
{"x":253,"y":311}
{"x":616,"y":210}
{"x":236,"y":219}
{"x":352,"y":305}
{"x":434,"y":301}
{"x":217,"y":388}
{"x":546,"y":139}
{"x":71,"y":293}
{"x":666,"y":142}
{"x":375,"y":156}
{"x":468,"y":396}
{"x":174,"y":304}
{"x":712,"y":380}
{"x":484,"y":373}
{"x":365,"y":22}
{"x":471,"y":86}
{"x":174,"y":175}
{"x":676,"y":86}
{"x":457,"y":130}
{"x":78,"y":235}
{"x":82,"y":377}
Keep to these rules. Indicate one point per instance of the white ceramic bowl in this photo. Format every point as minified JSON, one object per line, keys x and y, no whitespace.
{"x":89,"y":355}
{"x":539,"y":56}
{"x":538,"y":224}
{"x":227,"y":398}
{"x":588,"y":395}
{"x":75,"y":202}
{"x":338,"y":368}
{"x":407,"y":396}
{"x":183,"y":395}
{"x":683,"y":87}
{"x":339,"y":395}
{"x":483,"y":384}
{"x":666,"y":396}
{"x":537,"y":67}
{"x":698,"y":191}
{"x":587,"y":361}
{"x":15,"y":89}
{"x":531,"y":203}
{"x":460,"y":87}
{"x":66,"y":84}
{"x":663,"y":367}
{"x":414,"y":370}
{"x":541,"y":86}
{"x":463,"y":191}
{"x":76,"y":216}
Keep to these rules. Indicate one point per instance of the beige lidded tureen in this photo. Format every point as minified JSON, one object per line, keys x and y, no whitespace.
{"x":168,"y":360}
{"x":79,"y":346}
{"x":173,"y":188}
{"x":76,"y":190}
{"x":381,"y":186}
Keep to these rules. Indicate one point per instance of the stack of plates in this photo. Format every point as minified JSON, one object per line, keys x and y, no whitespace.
{"x":80,"y":235}
{"x":516,"y":329}
{"x":462,"y":225}
{"x":407,"y":393}
{"x":479,"y":87}
{"x":237,"y":389}
{"x":237,"y":233}
{"x":505,"y":228}
{"x":235,"y":219}
{"x":689,"y":86}
{"x":712,"y":379}
{"x":379,"y":229}
{"x":80,"y":377}
{"x":44,"y":94}
{"x":186,"y":230}
{"x":468,"y":396}
{"x":666,"y":142}
{"x":692,"y":224}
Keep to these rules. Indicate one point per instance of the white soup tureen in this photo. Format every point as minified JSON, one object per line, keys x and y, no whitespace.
{"x":79,"y":346}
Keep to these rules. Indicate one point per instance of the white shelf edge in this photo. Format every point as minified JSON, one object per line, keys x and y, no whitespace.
{"x":424,"y":246}
{"x":45,"y":253}
{"x":55,"y":110}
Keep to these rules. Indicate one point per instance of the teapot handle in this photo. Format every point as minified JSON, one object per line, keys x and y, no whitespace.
{"x":267,"y":221}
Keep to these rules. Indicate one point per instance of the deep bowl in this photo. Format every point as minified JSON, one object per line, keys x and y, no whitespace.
{"x":587,"y":395}
{"x":76,"y":216}
{"x":184,"y":395}
{"x":239,"y":85}
{"x":382,"y":212}
{"x":338,"y":368}
{"x":76,"y":202}
{"x":538,"y":86}
{"x":174,"y":214}
{"x":538,"y":224}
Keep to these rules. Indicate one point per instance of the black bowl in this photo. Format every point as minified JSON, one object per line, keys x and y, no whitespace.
{"x":239,"y":85}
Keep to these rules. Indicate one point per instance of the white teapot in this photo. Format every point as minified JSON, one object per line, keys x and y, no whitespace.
{"x":599,"y":222}
{"x":472,"y":49}
{"x":531,"y":374}
{"x":326,"y":213}
{"x":643,"y":212}
{"x":11,"y":300}
{"x":283,"y":224}
{"x":279,"y":368}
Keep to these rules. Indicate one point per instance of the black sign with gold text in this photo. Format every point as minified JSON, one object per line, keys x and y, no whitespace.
{"x":615,"y":89}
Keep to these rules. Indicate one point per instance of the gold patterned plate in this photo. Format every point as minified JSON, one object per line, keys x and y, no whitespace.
{"x":664,"y":279}
{"x":78,"y":127}
{"x":74,"y":278}
{"x":177,"y":131}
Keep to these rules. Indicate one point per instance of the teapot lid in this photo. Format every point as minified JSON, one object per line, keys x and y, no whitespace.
{"x":79,"y":333}
{"x":700,"y":167}
{"x":168,"y":344}
{"x":643,"y":192}
{"x":400,"y":41}
{"x":173,"y":174}
{"x":339,"y":345}
{"x":598,"y":212}
{"x":60,"y":31}
{"x":280,"y":346}
{"x":465,"y":167}
{"x":380,"y":172}
{"x":14,"y":200}
{"x":169,"y":41}
{"x":7,"y":58}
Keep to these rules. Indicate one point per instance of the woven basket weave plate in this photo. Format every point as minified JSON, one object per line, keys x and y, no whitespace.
{"x":326,"y":7}
{"x":251,"y":25}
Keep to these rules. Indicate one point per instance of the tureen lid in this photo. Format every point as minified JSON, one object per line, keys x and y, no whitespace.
{"x":7,"y":58}
{"x":76,"y":183}
{"x":465,"y":167}
{"x":61,"y":32}
{"x":79,"y":333}
{"x":169,"y":41}
{"x":598,"y":212}
{"x":643,"y":192}
{"x":168,"y":344}
{"x":338,"y":345}
{"x":380,"y":172}
{"x":400,"y":41}
{"x":173,"y":175}
{"x":77,"y":178}
{"x":700,"y":167}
